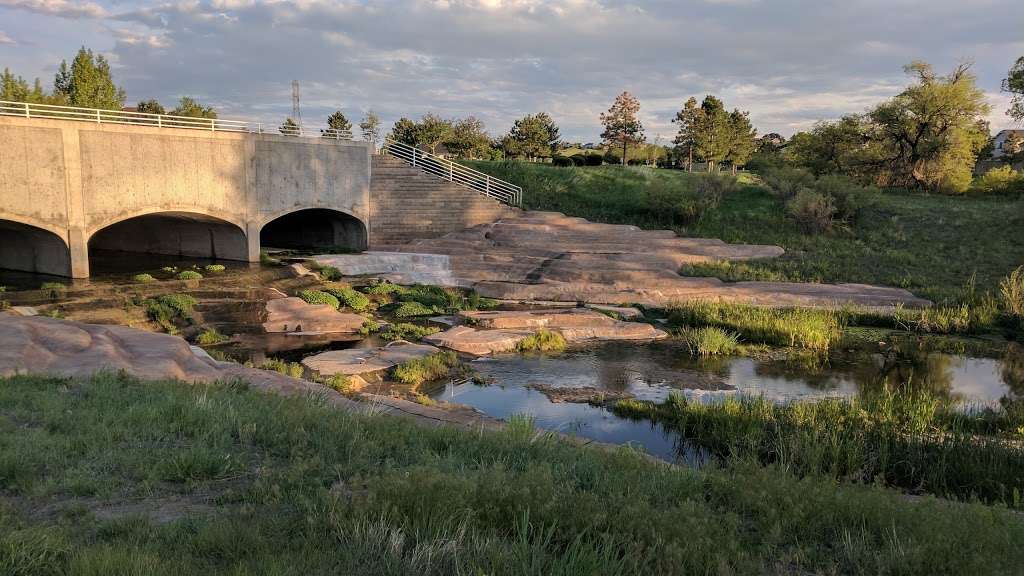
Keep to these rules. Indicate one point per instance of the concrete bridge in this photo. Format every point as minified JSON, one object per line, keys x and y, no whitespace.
{"x":71,"y":188}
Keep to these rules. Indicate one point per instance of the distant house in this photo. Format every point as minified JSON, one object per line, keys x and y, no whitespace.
{"x":1002,"y":143}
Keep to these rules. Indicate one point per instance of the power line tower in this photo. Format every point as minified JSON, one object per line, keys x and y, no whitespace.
{"x":296,"y":111}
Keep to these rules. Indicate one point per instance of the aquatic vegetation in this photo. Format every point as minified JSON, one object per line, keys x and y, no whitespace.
{"x":349,"y":297}
{"x":143,"y":278}
{"x":210,"y":337}
{"x":214,"y":268}
{"x":189,"y":275}
{"x":1011,"y":289}
{"x":319,"y":297}
{"x":408,"y":331}
{"x":709,"y":341}
{"x":165,"y":309}
{"x":542,"y":341}
{"x":417,"y":371}
{"x":267,"y":260}
{"x":810,"y":329}
{"x":897,"y":436}
{"x":53,"y":286}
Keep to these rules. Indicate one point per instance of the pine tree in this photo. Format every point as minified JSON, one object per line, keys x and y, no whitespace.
{"x":685,"y":139}
{"x":621,"y":125}
{"x":743,"y":139}
{"x":338,"y":124}
{"x":404,"y":132}
{"x":713,"y":134}
{"x":88,"y":83}
{"x":289,"y":128}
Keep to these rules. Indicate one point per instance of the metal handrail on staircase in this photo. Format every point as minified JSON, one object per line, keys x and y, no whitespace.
{"x":500,"y":190}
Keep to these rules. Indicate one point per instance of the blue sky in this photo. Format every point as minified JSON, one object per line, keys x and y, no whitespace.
{"x":789,"y":62}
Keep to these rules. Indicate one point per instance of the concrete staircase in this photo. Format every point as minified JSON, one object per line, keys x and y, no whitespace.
{"x":409,"y":204}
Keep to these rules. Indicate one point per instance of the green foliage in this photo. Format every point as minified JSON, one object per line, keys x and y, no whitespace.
{"x":622,"y":126}
{"x":191,"y":108}
{"x":189,"y":275}
{"x":410,"y":499}
{"x":468,"y":139}
{"x":709,"y":341}
{"x":143,"y":278}
{"x":787,"y":181}
{"x":417,"y":371}
{"x":407,"y":331}
{"x":267,"y":260}
{"x":320,"y":297}
{"x":542,"y":341}
{"x":16,"y":89}
{"x":1011,"y":289}
{"x":338,"y":122}
{"x":150,"y":107}
{"x":812,"y":211}
{"x":165,"y":309}
{"x":369,"y":327}
{"x":533,"y":137}
{"x":382,"y":287}
{"x":339,"y":382}
{"x":214,"y":268}
{"x":901,"y":437}
{"x":210,"y":337}
{"x":1014,"y":84}
{"x":563,"y":161}
{"x":370,"y":127}
{"x":289,"y":128}
{"x":88,"y":82}
{"x":56,"y":289}
{"x":412,"y":309}
{"x":810,"y":329}
{"x":349,"y":297}
{"x":999,"y":180}
{"x":291,"y":369}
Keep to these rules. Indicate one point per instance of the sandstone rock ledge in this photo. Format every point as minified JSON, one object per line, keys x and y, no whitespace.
{"x":42,"y":345}
{"x":365,"y":362}
{"x":294,"y":315}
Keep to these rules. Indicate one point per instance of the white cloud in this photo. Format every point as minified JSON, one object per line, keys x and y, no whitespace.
{"x":61,"y":8}
{"x":5,"y":39}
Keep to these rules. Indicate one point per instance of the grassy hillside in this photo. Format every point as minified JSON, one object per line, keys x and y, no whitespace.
{"x":116,"y":476}
{"x":930,"y":244}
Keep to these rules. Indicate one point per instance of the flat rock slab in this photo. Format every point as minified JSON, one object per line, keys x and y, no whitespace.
{"x":575,"y":324}
{"x":296,"y":315}
{"x":478,"y":342}
{"x":550,"y":256}
{"x":400,"y":267}
{"x":623,"y":312}
{"x":42,"y":345}
{"x":365,"y":361}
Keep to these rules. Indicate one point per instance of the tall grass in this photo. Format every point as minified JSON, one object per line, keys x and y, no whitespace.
{"x":542,"y":341}
{"x":709,"y":341}
{"x":419,"y":371}
{"x":900,"y":437}
{"x":810,"y":329}
{"x":279,"y":485}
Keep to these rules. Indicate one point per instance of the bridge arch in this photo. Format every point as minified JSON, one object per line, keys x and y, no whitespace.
{"x":172,"y":233}
{"x":33,"y":247}
{"x":314,"y":228}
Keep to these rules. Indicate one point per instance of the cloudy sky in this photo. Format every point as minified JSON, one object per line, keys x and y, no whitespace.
{"x":789,"y":62}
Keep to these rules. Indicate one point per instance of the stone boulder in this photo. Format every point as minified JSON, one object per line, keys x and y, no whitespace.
{"x":295,"y":315}
{"x":478,"y":342}
{"x":366,"y":362}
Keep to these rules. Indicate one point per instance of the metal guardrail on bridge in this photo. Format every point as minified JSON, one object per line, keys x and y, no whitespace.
{"x":101,"y":116}
{"x":500,"y":190}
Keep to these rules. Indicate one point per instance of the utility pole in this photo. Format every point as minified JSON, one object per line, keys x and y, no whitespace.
{"x":296,"y":111}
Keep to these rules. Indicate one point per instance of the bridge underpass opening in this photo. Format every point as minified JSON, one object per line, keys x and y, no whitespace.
{"x":29,"y":249}
{"x":315,"y":229}
{"x":174,"y":235}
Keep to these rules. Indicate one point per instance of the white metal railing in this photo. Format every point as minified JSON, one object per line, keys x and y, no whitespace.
{"x":500,"y":190}
{"x":100,"y":116}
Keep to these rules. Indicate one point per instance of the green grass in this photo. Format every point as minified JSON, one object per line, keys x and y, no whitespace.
{"x":165,"y":310}
{"x":929,"y":244}
{"x":189,"y":275}
{"x":709,"y":341}
{"x":319,"y":297}
{"x":809,"y":329}
{"x":293,"y":369}
{"x":899,"y":436}
{"x":291,"y":486}
{"x":349,"y":297}
{"x":542,"y":341}
{"x":419,"y":371}
{"x":143,"y":278}
{"x":210,"y":337}
{"x":408,"y":331}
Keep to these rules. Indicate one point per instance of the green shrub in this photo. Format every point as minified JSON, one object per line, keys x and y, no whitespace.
{"x":268,"y":260}
{"x":786,"y":182}
{"x":210,"y":337}
{"x":593,"y":159}
{"x":53,"y":286}
{"x":417,"y":371}
{"x":848,"y":197}
{"x":214,"y":268}
{"x":350,"y":298}
{"x":1001,"y":180}
{"x":340,"y":382}
{"x":189,"y":275}
{"x":578,"y":160}
{"x":611,"y":157}
{"x":813,"y":211}
{"x":329,"y":273}
{"x":672,"y":205}
{"x":562,"y":161}
{"x":712,"y":187}
{"x":293,"y":369}
{"x":164,"y":310}
{"x":709,"y":341}
{"x":319,"y":297}
{"x":143,"y":278}
{"x":542,"y":341}
{"x":412,"y":309}
{"x":407,"y":331}
{"x":369,"y":327}
{"x":381,"y":288}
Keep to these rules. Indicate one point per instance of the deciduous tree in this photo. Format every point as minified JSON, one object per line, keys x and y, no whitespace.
{"x":713,"y":134}
{"x":1014,"y":84}
{"x":621,"y":125}
{"x":370,"y":127}
{"x":289,"y":127}
{"x":190,"y":107}
{"x":468,"y":139}
{"x":432,"y":131}
{"x":150,"y":107}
